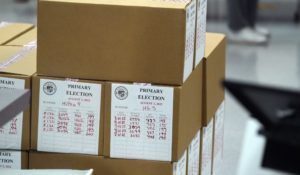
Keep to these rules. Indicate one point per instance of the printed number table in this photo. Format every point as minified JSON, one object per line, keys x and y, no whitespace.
{"x":12,"y":102}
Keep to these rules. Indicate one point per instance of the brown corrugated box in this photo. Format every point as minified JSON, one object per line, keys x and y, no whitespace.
{"x":9,"y":31}
{"x":27,"y":38}
{"x":187,"y":112}
{"x":20,"y":64}
{"x":144,"y":41}
{"x":101,"y":166}
{"x":35,"y":109}
{"x":214,"y":74}
{"x":11,"y":159}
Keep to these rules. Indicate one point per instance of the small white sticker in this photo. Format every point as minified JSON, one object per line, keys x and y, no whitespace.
{"x":218,"y":137}
{"x":69,"y":117}
{"x":189,"y":39}
{"x":200,"y":30}
{"x":207,"y":147}
{"x":194,"y":155}
{"x":10,"y":160}
{"x":179,"y":168}
{"x":11,"y":132}
{"x":141,"y":122}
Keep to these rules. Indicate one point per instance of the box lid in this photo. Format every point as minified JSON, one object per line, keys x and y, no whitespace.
{"x":9,"y":31}
{"x":18,"y":60}
{"x":25,"y":39}
{"x":177,"y":4}
{"x":214,"y":39}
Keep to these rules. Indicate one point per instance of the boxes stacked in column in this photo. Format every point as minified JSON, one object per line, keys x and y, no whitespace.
{"x":17,"y":66}
{"x":117,"y":87}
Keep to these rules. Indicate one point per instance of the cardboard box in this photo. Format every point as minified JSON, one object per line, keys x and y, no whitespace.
{"x":13,"y":159}
{"x":218,"y":139}
{"x":28,"y":38}
{"x":104,"y":165}
{"x":144,"y":41}
{"x":214,"y":74}
{"x":17,"y":66}
{"x":200,"y":31}
{"x":10,"y":31}
{"x":67,"y":115}
{"x":152,"y":122}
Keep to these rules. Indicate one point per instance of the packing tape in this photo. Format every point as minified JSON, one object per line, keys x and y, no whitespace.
{"x":20,"y":55}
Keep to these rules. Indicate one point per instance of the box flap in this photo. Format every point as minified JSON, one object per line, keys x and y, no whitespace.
{"x":9,"y":31}
{"x":177,"y":4}
{"x":212,"y":41}
{"x":18,"y":60}
{"x":25,"y":39}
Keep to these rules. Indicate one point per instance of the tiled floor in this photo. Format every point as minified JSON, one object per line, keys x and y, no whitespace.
{"x":276,"y":64}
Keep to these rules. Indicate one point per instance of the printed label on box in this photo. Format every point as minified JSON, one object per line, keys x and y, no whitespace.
{"x":4,"y":24}
{"x":189,"y":39}
{"x":179,"y":168}
{"x":141,"y":122}
{"x":194,"y":155}
{"x":11,"y":132}
{"x":219,"y":137}
{"x":10,"y":159}
{"x":207,"y":147}
{"x":69,"y":117}
{"x":200,"y":30}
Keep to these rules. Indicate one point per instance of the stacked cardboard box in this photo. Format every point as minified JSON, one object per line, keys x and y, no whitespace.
{"x":213,"y":100}
{"x":89,"y":112}
{"x":17,"y":65}
{"x":10,"y":31}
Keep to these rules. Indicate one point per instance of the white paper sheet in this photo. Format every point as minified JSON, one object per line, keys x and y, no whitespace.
{"x":69,"y":117}
{"x":141,"y":122}
{"x":218,"y":138}
{"x":207,"y":147}
{"x":200,"y":30}
{"x":11,"y":132}
{"x":194,"y":155}
{"x":189,"y":39}
{"x":10,"y":160}
{"x":179,"y":168}
{"x":46,"y":172}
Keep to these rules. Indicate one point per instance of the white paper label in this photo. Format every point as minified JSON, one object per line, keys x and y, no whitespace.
{"x":69,"y":117}
{"x":4,"y":24}
{"x":189,"y":39}
{"x":218,"y":137}
{"x":10,"y":160}
{"x":141,"y":122}
{"x":194,"y":155}
{"x":200,"y":30}
{"x":207,"y":147}
{"x":11,"y":132}
{"x":179,"y":168}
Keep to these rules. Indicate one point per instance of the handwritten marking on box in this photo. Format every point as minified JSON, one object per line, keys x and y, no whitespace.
{"x":11,"y":132}
{"x":141,"y":122}
{"x":69,"y":116}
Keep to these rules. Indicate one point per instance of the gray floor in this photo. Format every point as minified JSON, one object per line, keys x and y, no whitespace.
{"x":275,"y":64}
